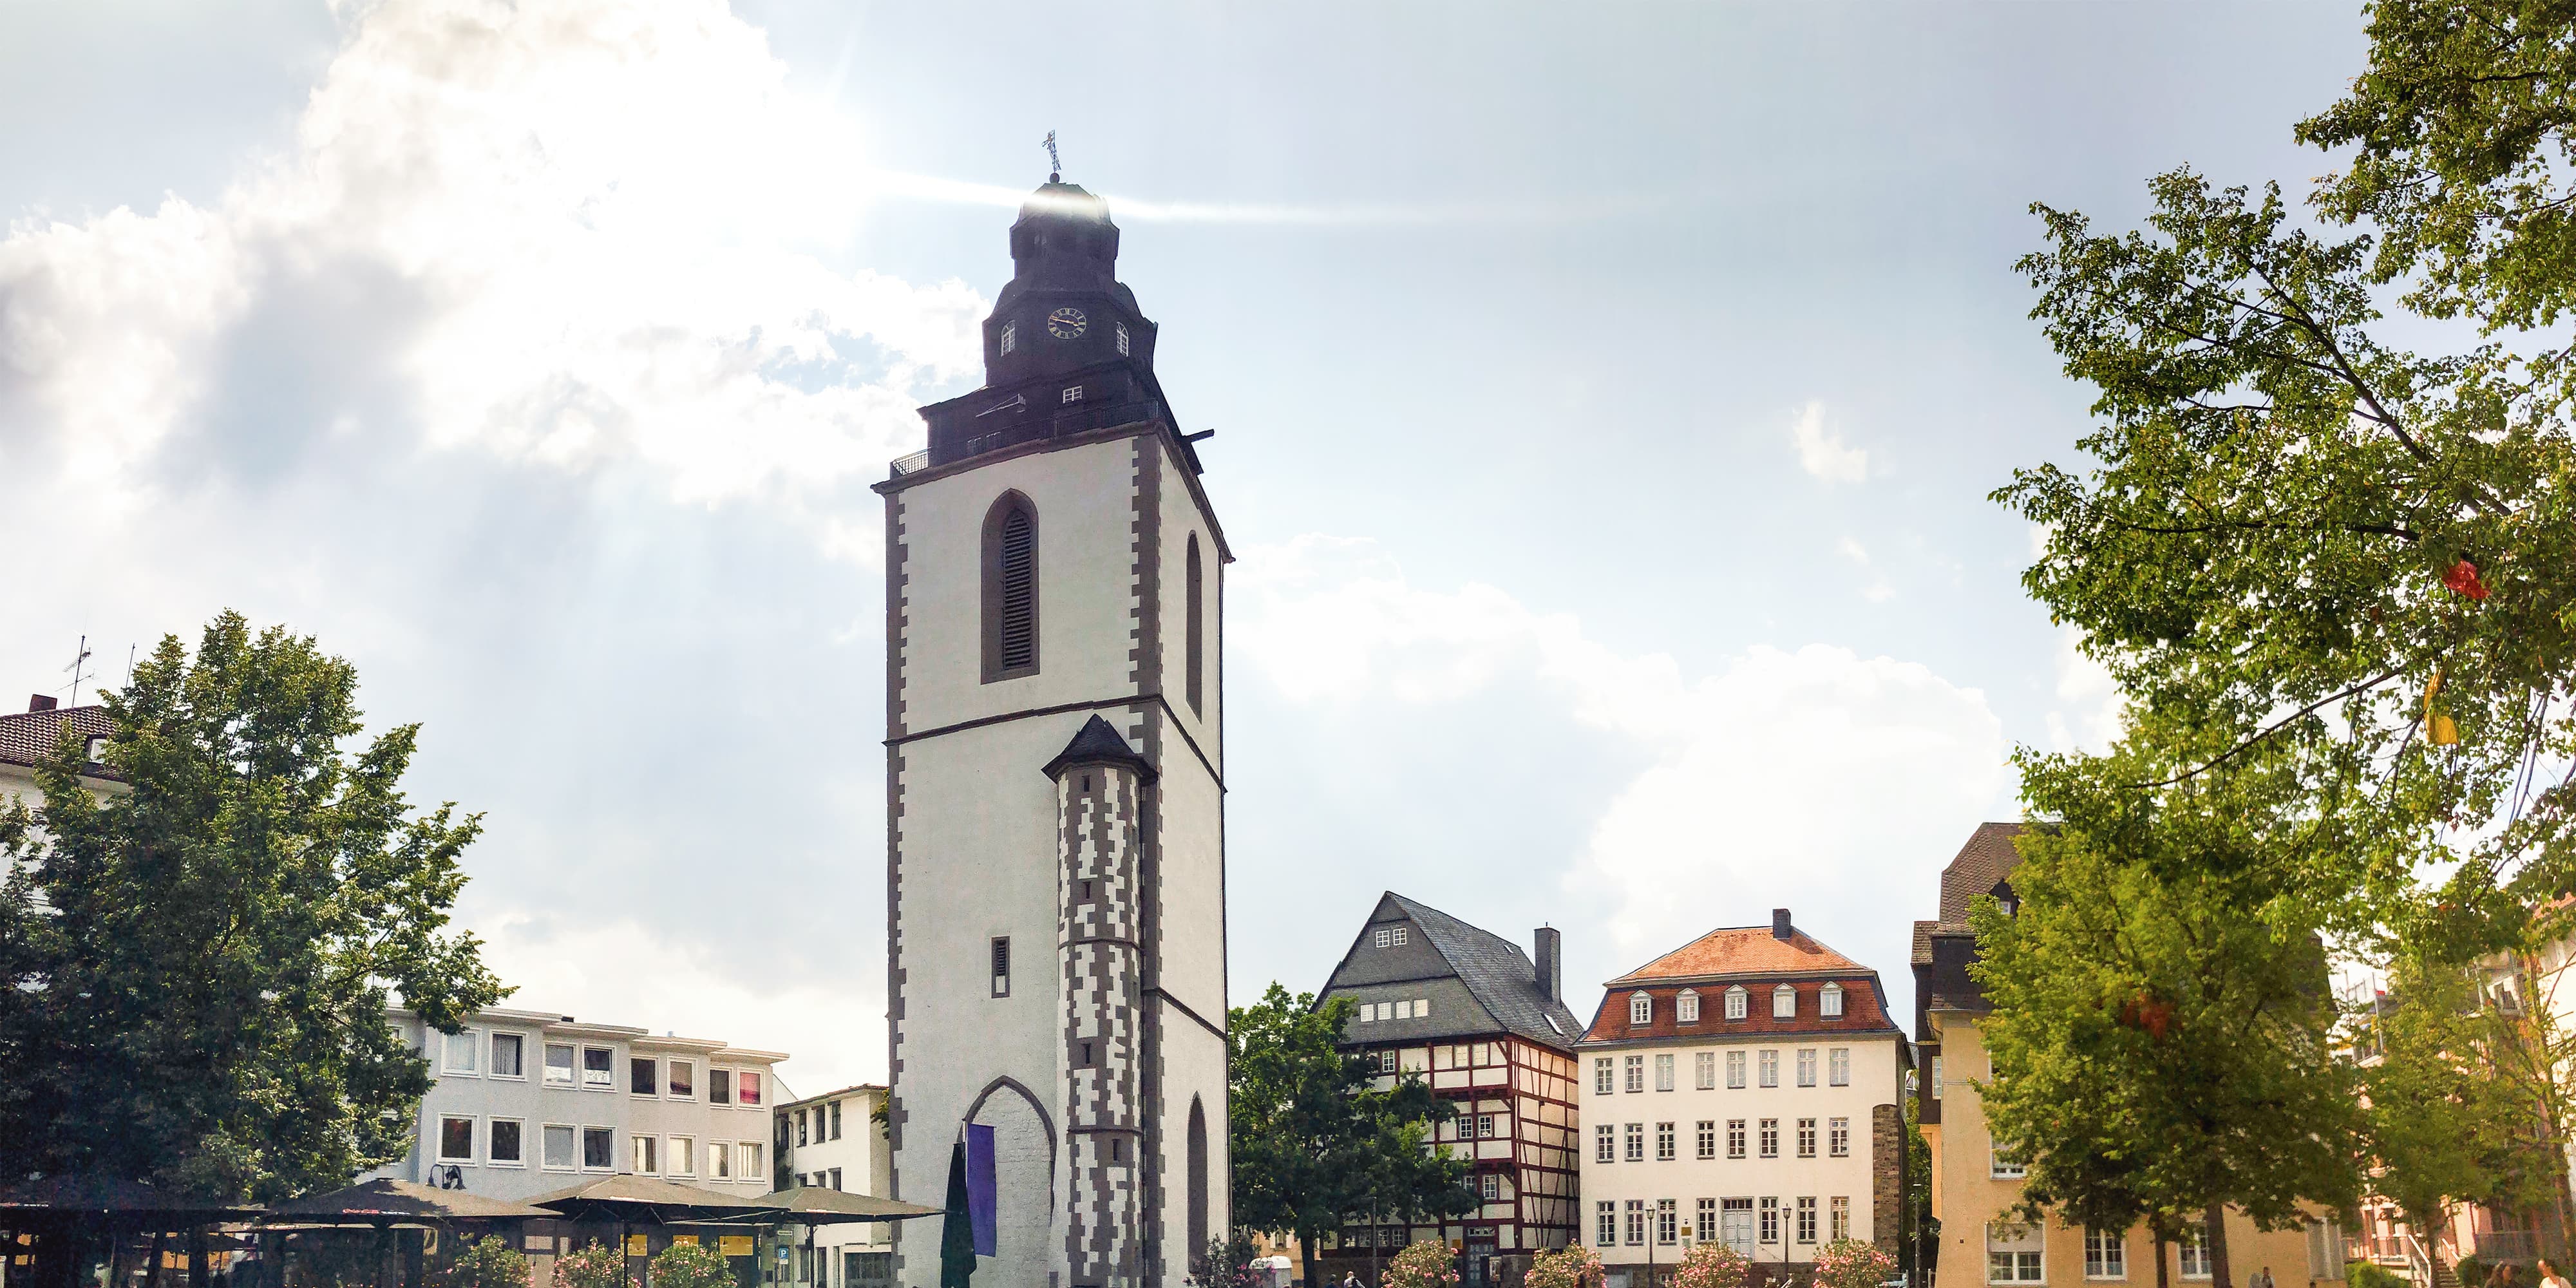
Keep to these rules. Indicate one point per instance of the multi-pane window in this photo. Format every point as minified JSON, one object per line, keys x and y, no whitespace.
{"x":1636,"y":1068}
{"x":1770,"y":1138}
{"x":1663,"y":1142}
{"x":598,"y":1148}
{"x":1735,"y":1138}
{"x":1936,"y":1077}
{"x":1735,"y":1069}
{"x":1784,"y":1003}
{"x":1667,"y":1222}
{"x":1770,"y":1068}
{"x":1010,"y":337}
{"x":560,"y":1142}
{"x":1664,"y":1072}
{"x":2193,"y":1248}
{"x":1605,"y":1144}
{"x":1806,"y":1138}
{"x":1605,"y":1231}
{"x":1636,"y":1138}
{"x":2106,"y":1255}
{"x":1770,"y":1220}
{"x":2013,"y":1254}
{"x":1636,"y":1221}
{"x":1838,"y":1137}
{"x":1735,"y":1002}
{"x":1704,"y":1070}
{"x":1707,"y":1226}
{"x":1707,"y":1138}
{"x":1601,"y":1076}
{"x":1829,"y":1003}
{"x":1839,"y":1218}
{"x":836,"y":1120}
{"x":559,"y":1064}
{"x":1641,"y":1009}
{"x":1807,"y":1220}
{"x":1686,"y":1007}
{"x":2003,"y":1166}
{"x":1488,"y":1126}
{"x":1806,"y":1066}
{"x":1490,"y":1185}
{"x":1838,"y":1066}
{"x":508,"y":1051}
{"x":801,"y":1128}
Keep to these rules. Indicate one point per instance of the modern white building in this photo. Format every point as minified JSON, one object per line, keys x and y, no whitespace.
{"x":526,"y":1102}
{"x":27,"y":736}
{"x":1746,"y":1087}
{"x":836,"y":1141}
{"x":1055,"y":866}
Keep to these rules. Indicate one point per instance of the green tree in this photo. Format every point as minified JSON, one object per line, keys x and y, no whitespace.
{"x":2161,"y":1035}
{"x":488,"y":1262}
{"x":1313,"y":1143}
{"x":690,"y":1265}
{"x":198,"y":967}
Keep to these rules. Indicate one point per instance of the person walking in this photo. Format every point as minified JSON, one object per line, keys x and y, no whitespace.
{"x":2550,"y":1276}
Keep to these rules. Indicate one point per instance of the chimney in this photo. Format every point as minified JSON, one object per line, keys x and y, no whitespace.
{"x":39,"y":702}
{"x":1780,"y":927}
{"x":1550,"y":958}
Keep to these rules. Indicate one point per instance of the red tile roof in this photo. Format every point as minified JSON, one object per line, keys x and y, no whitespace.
{"x":1864,"y":1012}
{"x":28,"y":736}
{"x":1743,"y":950}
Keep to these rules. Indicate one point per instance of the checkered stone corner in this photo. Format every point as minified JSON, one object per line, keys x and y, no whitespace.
{"x":1098,"y":829}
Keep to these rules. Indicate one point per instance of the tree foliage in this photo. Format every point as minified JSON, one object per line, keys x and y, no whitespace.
{"x":1313,"y":1142}
{"x":1575,"y":1265}
{"x":1714,"y":1263}
{"x":488,"y":1262}
{"x":592,"y":1265}
{"x":1853,"y":1263}
{"x":198,"y":968}
{"x":1428,"y":1264}
{"x":690,"y":1265}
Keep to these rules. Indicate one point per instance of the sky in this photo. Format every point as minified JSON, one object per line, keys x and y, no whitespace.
{"x":1608,"y":398}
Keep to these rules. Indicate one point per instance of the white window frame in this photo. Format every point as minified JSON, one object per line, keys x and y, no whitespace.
{"x":1686,"y":1007}
{"x":1663,"y":1071}
{"x":1767,"y":1138}
{"x":2001,"y":1166}
{"x":1806,"y":1228}
{"x":572,"y":1065}
{"x":1838,"y":1137}
{"x":583,"y":1149}
{"x":574,"y":1154}
{"x":1735,"y":1070}
{"x":1605,"y":1076}
{"x":2193,"y":1247}
{"x":1704,"y":1140}
{"x":1605,"y":1229}
{"x":492,"y":1160}
{"x":1736,"y":1138}
{"x":2026,"y":1247}
{"x":1770,"y":1063}
{"x":492,"y":1066}
{"x":1632,"y":1141}
{"x":643,"y":1148}
{"x":1838,"y":1218}
{"x":749,"y":1086}
{"x":1838,"y":1067}
{"x":1784,"y":1003}
{"x":1936,"y":1077}
{"x":1641,"y":1009}
{"x":1383,"y":937}
{"x":1123,"y":341}
{"x":1072,"y":394}
{"x":1704,"y":1070}
{"x":1829,"y":1002}
{"x":1605,"y":1143}
{"x":1806,"y":1138}
{"x":2106,"y":1254}
{"x":473,"y":1066}
{"x":720,"y":1160}
{"x":680,"y":1156}
{"x":1010,"y":337}
{"x":1806,"y":1066}
{"x":693,"y":1092}
{"x":755,"y":1160}
{"x":1737,"y":1003}
{"x":1635,"y":1068}
{"x":1668,"y":1144}
{"x":473,"y":1138}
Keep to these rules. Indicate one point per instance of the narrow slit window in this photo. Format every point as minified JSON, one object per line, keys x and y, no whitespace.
{"x":1002,"y":966}
{"x":1195,"y":606}
{"x":1010,"y":589}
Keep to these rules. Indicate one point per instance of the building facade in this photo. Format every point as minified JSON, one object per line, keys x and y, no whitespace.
{"x":837,"y":1141}
{"x":1745,"y":1087}
{"x":526,"y":1102}
{"x":28,"y":736}
{"x":1973,"y":1185}
{"x":1486,"y":1027}
{"x":1055,"y":787}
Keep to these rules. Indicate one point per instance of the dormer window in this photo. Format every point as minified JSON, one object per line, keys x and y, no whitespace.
{"x":1010,"y":337}
{"x":1686,"y":1007}
{"x":1641,"y":1009}
{"x":97,"y":751}
{"x":1736,"y":1000}
{"x":1829,"y":1003}
{"x":1784,"y":1003}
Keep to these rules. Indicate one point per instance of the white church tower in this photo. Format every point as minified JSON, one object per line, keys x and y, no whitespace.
{"x":1055,"y":785}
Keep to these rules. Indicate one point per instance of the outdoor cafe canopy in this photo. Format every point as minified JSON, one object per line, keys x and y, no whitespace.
{"x":643,"y":1200}
{"x":387,"y":1203}
{"x":816,"y":1205}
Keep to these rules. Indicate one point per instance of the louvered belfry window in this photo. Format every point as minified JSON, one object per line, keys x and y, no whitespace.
{"x":1010,"y":589}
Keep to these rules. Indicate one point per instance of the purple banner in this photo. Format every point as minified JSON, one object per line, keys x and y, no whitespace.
{"x":982,"y":1197}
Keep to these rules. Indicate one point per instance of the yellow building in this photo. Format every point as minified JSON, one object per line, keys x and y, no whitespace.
{"x":1972,"y":1187}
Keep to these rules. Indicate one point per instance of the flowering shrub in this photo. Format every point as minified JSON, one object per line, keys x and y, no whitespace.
{"x":1852,"y":1263}
{"x":691,"y":1265}
{"x":1711,"y":1265}
{"x":488,"y":1262}
{"x":1424,"y":1265}
{"x":1573,"y":1266}
{"x":593,"y":1265}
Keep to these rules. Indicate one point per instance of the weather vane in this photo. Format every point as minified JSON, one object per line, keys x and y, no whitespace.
{"x":1055,"y":164}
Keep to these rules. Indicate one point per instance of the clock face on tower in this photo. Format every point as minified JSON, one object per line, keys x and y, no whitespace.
{"x":1067,"y":323}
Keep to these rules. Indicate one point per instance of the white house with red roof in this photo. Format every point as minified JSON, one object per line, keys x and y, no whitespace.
{"x":1746,"y":1086}
{"x":28,"y":736}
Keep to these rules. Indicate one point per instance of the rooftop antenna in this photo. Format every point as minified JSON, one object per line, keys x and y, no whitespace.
{"x":75,"y":669}
{"x":129,"y":666}
{"x":1055,"y":164}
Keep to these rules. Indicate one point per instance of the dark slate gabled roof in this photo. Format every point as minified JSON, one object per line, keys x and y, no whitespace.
{"x":1095,"y":743}
{"x":1496,"y":972}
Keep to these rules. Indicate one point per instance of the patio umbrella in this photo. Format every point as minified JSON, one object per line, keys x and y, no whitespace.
{"x":816,"y":1205}
{"x":386,"y":1202}
{"x":79,"y":1196}
{"x":644,"y":1200}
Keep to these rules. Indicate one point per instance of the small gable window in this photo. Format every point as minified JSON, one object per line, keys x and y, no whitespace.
{"x":1686,"y":1007}
{"x":1641,"y":1009}
{"x":1389,"y":937}
{"x":1829,"y":1003}
{"x":1784,"y":1003}
{"x":1735,"y":1002}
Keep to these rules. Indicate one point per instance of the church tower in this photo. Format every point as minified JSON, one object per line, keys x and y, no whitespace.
{"x":1055,"y":779}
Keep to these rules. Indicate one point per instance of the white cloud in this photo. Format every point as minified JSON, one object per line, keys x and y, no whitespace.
{"x":569,"y":234}
{"x":1814,"y":777}
{"x":1823,"y":453}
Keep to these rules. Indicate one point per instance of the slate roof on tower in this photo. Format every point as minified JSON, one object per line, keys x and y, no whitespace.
{"x":1095,"y":742}
{"x":1496,"y":980}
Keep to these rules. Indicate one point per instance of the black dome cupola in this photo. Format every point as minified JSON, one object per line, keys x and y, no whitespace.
{"x":1064,"y":239}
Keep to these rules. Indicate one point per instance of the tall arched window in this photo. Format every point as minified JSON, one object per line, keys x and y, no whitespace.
{"x":1194,"y":630}
{"x":1198,"y":1174}
{"x":1010,"y":589}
